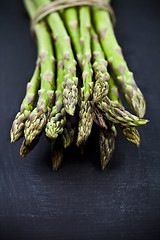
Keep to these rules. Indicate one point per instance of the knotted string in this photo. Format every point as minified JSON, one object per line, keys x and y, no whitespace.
{"x":56,"y":5}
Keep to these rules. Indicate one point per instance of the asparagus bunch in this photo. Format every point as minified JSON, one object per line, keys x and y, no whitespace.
{"x":86,"y":34}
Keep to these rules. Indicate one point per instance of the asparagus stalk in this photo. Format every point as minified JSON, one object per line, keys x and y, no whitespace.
{"x":117,"y":114}
{"x":100,"y":68}
{"x":107,"y":144}
{"x":38,"y":117}
{"x":85,"y":114}
{"x":17,"y":130}
{"x":70,"y":16}
{"x":131,"y":133}
{"x":70,"y":93}
{"x":57,"y":117}
{"x":116,"y":60}
{"x":25,"y":148}
{"x":66,"y":88}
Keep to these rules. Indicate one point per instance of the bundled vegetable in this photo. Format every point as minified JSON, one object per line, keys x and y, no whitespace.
{"x":85,"y":68}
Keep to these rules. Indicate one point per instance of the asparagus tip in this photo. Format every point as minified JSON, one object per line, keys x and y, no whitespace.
{"x":17,"y":127}
{"x":100,"y":90}
{"x":23,"y":149}
{"x":70,"y":110}
{"x":132,"y":135}
{"x":13,"y":139}
{"x":70,"y":98}
{"x":26,"y":148}
{"x":117,"y":114}
{"x":54,"y":128}
{"x":85,"y":122}
{"x":107,"y":145}
{"x":34,"y":125}
{"x":137,"y":102}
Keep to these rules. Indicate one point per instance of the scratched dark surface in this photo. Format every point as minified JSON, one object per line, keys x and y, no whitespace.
{"x":80,"y":201}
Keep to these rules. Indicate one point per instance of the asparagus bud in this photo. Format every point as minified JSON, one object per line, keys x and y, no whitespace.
{"x":107,"y":144}
{"x":131,"y":133}
{"x":117,"y":114}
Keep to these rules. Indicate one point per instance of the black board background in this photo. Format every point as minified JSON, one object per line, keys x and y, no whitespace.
{"x":80,"y":201}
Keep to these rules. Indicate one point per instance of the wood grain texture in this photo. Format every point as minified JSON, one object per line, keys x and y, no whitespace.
{"x":80,"y":201}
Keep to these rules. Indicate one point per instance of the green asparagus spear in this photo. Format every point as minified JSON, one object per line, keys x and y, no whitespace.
{"x":116,"y":60}
{"x":131,"y":133}
{"x":38,"y":117}
{"x":71,"y":19}
{"x":100,"y":68}
{"x":107,"y":144}
{"x":117,"y":114}
{"x":85,"y":114}
{"x":57,"y":117}
{"x":17,"y":130}
{"x":25,"y":148}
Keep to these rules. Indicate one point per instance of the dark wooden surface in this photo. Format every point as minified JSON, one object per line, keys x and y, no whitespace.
{"x":80,"y":201}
